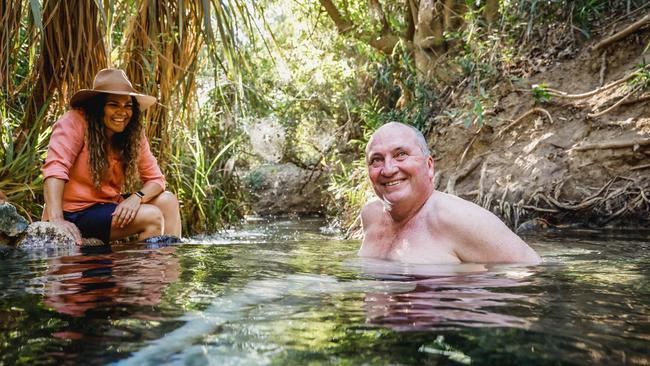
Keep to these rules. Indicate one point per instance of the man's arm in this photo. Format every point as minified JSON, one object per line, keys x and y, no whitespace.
{"x":369,"y":216}
{"x":481,"y":237}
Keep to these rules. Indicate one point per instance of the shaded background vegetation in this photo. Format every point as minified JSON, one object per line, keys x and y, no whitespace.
{"x":329,"y":72}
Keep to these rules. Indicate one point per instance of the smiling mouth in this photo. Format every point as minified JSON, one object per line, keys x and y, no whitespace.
{"x":393,"y":183}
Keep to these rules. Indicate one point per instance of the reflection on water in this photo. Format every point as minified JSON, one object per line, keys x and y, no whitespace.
{"x":289,"y":293}
{"x":76,"y":285}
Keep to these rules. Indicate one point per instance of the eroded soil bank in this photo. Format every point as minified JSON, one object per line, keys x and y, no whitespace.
{"x":576,"y":159}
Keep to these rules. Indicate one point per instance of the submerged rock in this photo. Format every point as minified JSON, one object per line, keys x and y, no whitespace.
{"x":5,"y":250}
{"x":535,"y":224}
{"x":11,"y":222}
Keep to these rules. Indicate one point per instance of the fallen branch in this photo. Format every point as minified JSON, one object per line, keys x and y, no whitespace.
{"x":529,"y":112}
{"x":612,"y":145}
{"x":614,"y":106}
{"x":622,"y":34}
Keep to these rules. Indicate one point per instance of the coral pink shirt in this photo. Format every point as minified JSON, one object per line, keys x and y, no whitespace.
{"x":67,"y":159}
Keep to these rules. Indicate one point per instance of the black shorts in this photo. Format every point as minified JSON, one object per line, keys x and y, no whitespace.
{"x":94,"y":222}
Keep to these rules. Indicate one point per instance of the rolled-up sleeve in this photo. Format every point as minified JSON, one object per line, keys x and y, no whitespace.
{"x":66,"y":142}
{"x":148,"y":166}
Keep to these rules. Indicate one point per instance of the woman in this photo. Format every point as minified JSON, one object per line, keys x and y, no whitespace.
{"x":97,"y":150}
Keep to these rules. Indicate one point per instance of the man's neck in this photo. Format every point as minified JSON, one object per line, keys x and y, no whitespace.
{"x":402,"y":213}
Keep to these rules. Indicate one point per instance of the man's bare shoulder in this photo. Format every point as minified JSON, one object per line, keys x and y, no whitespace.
{"x":448,"y":207}
{"x":372,"y":211}
{"x":480,"y":236}
{"x":456,"y":216}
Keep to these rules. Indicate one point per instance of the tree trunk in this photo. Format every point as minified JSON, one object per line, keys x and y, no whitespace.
{"x":69,"y":59}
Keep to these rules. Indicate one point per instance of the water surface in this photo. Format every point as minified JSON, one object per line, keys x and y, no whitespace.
{"x":290,"y":293}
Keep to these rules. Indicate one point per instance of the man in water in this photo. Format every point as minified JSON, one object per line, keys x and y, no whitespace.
{"x":410,"y":221}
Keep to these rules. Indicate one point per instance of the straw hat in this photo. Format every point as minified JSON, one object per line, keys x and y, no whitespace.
{"x":112,"y":81}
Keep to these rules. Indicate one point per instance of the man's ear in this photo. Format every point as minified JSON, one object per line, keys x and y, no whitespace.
{"x":430,"y":164}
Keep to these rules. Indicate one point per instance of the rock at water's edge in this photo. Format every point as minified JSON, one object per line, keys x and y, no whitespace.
{"x":43,"y":234}
{"x":11,"y":223}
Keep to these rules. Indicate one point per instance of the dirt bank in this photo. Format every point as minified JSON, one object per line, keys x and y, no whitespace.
{"x":568,"y":160}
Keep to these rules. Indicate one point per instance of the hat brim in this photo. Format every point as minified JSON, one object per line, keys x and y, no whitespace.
{"x":144,"y":101}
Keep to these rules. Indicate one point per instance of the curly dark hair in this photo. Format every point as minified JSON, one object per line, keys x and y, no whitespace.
{"x":125,"y":143}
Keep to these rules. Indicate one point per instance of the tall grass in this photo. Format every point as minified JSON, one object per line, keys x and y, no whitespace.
{"x":21,"y":153}
{"x":201,"y":174}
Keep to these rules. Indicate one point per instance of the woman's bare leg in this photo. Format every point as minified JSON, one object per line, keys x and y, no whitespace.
{"x":148,"y":222}
{"x":168,"y":205}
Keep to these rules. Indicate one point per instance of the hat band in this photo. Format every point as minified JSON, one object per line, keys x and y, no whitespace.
{"x":115,"y":88}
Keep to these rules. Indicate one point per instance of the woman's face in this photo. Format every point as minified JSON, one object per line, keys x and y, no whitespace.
{"x":118,"y":110}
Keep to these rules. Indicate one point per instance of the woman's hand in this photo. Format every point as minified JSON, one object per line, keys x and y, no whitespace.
{"x":69,"y":227}
{"x":126,"y":211}
{"x":53,"y":189}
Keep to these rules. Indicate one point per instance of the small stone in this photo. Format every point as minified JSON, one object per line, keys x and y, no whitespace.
{"x":91,"y":242}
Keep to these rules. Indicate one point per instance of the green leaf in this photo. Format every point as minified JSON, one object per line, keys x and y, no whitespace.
{"x":37,"y":14}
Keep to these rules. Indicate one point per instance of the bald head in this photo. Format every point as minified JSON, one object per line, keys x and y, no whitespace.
{"x":392,"y":127}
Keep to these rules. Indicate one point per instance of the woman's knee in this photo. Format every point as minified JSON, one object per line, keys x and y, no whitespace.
{"x":151,"y":215}
{"x":167,"y":202}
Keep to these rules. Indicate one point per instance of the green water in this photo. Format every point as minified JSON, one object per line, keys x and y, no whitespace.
{"x":290,"y":293}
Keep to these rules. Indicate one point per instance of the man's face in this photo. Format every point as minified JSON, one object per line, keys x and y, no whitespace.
{"x":397,"y":167}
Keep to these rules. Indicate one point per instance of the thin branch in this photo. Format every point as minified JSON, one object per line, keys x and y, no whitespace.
{"x":343,"y":25}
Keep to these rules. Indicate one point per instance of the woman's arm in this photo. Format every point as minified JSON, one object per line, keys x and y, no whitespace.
{"x":53,"y":189}
{"x":127,"y":209}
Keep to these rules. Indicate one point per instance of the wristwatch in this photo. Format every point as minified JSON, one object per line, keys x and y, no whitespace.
{"x":140,"y":194}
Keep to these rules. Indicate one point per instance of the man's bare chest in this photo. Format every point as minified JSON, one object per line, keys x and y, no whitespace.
{"x":410,"y":244}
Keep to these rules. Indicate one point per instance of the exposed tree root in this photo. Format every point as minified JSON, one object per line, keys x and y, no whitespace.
{"x":612,"y":145}
{"x":561,"y":94}
{"x":471,"y":142}
{"x":607,"y":204}
{"x":623,"y":33}
{"x":526,"y":114}
{"x":615,"y":105}
{"x":459,"y":175}
{"x":642,"y":98}
{"x":644,"y":166}
{"x":603,"y":69}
